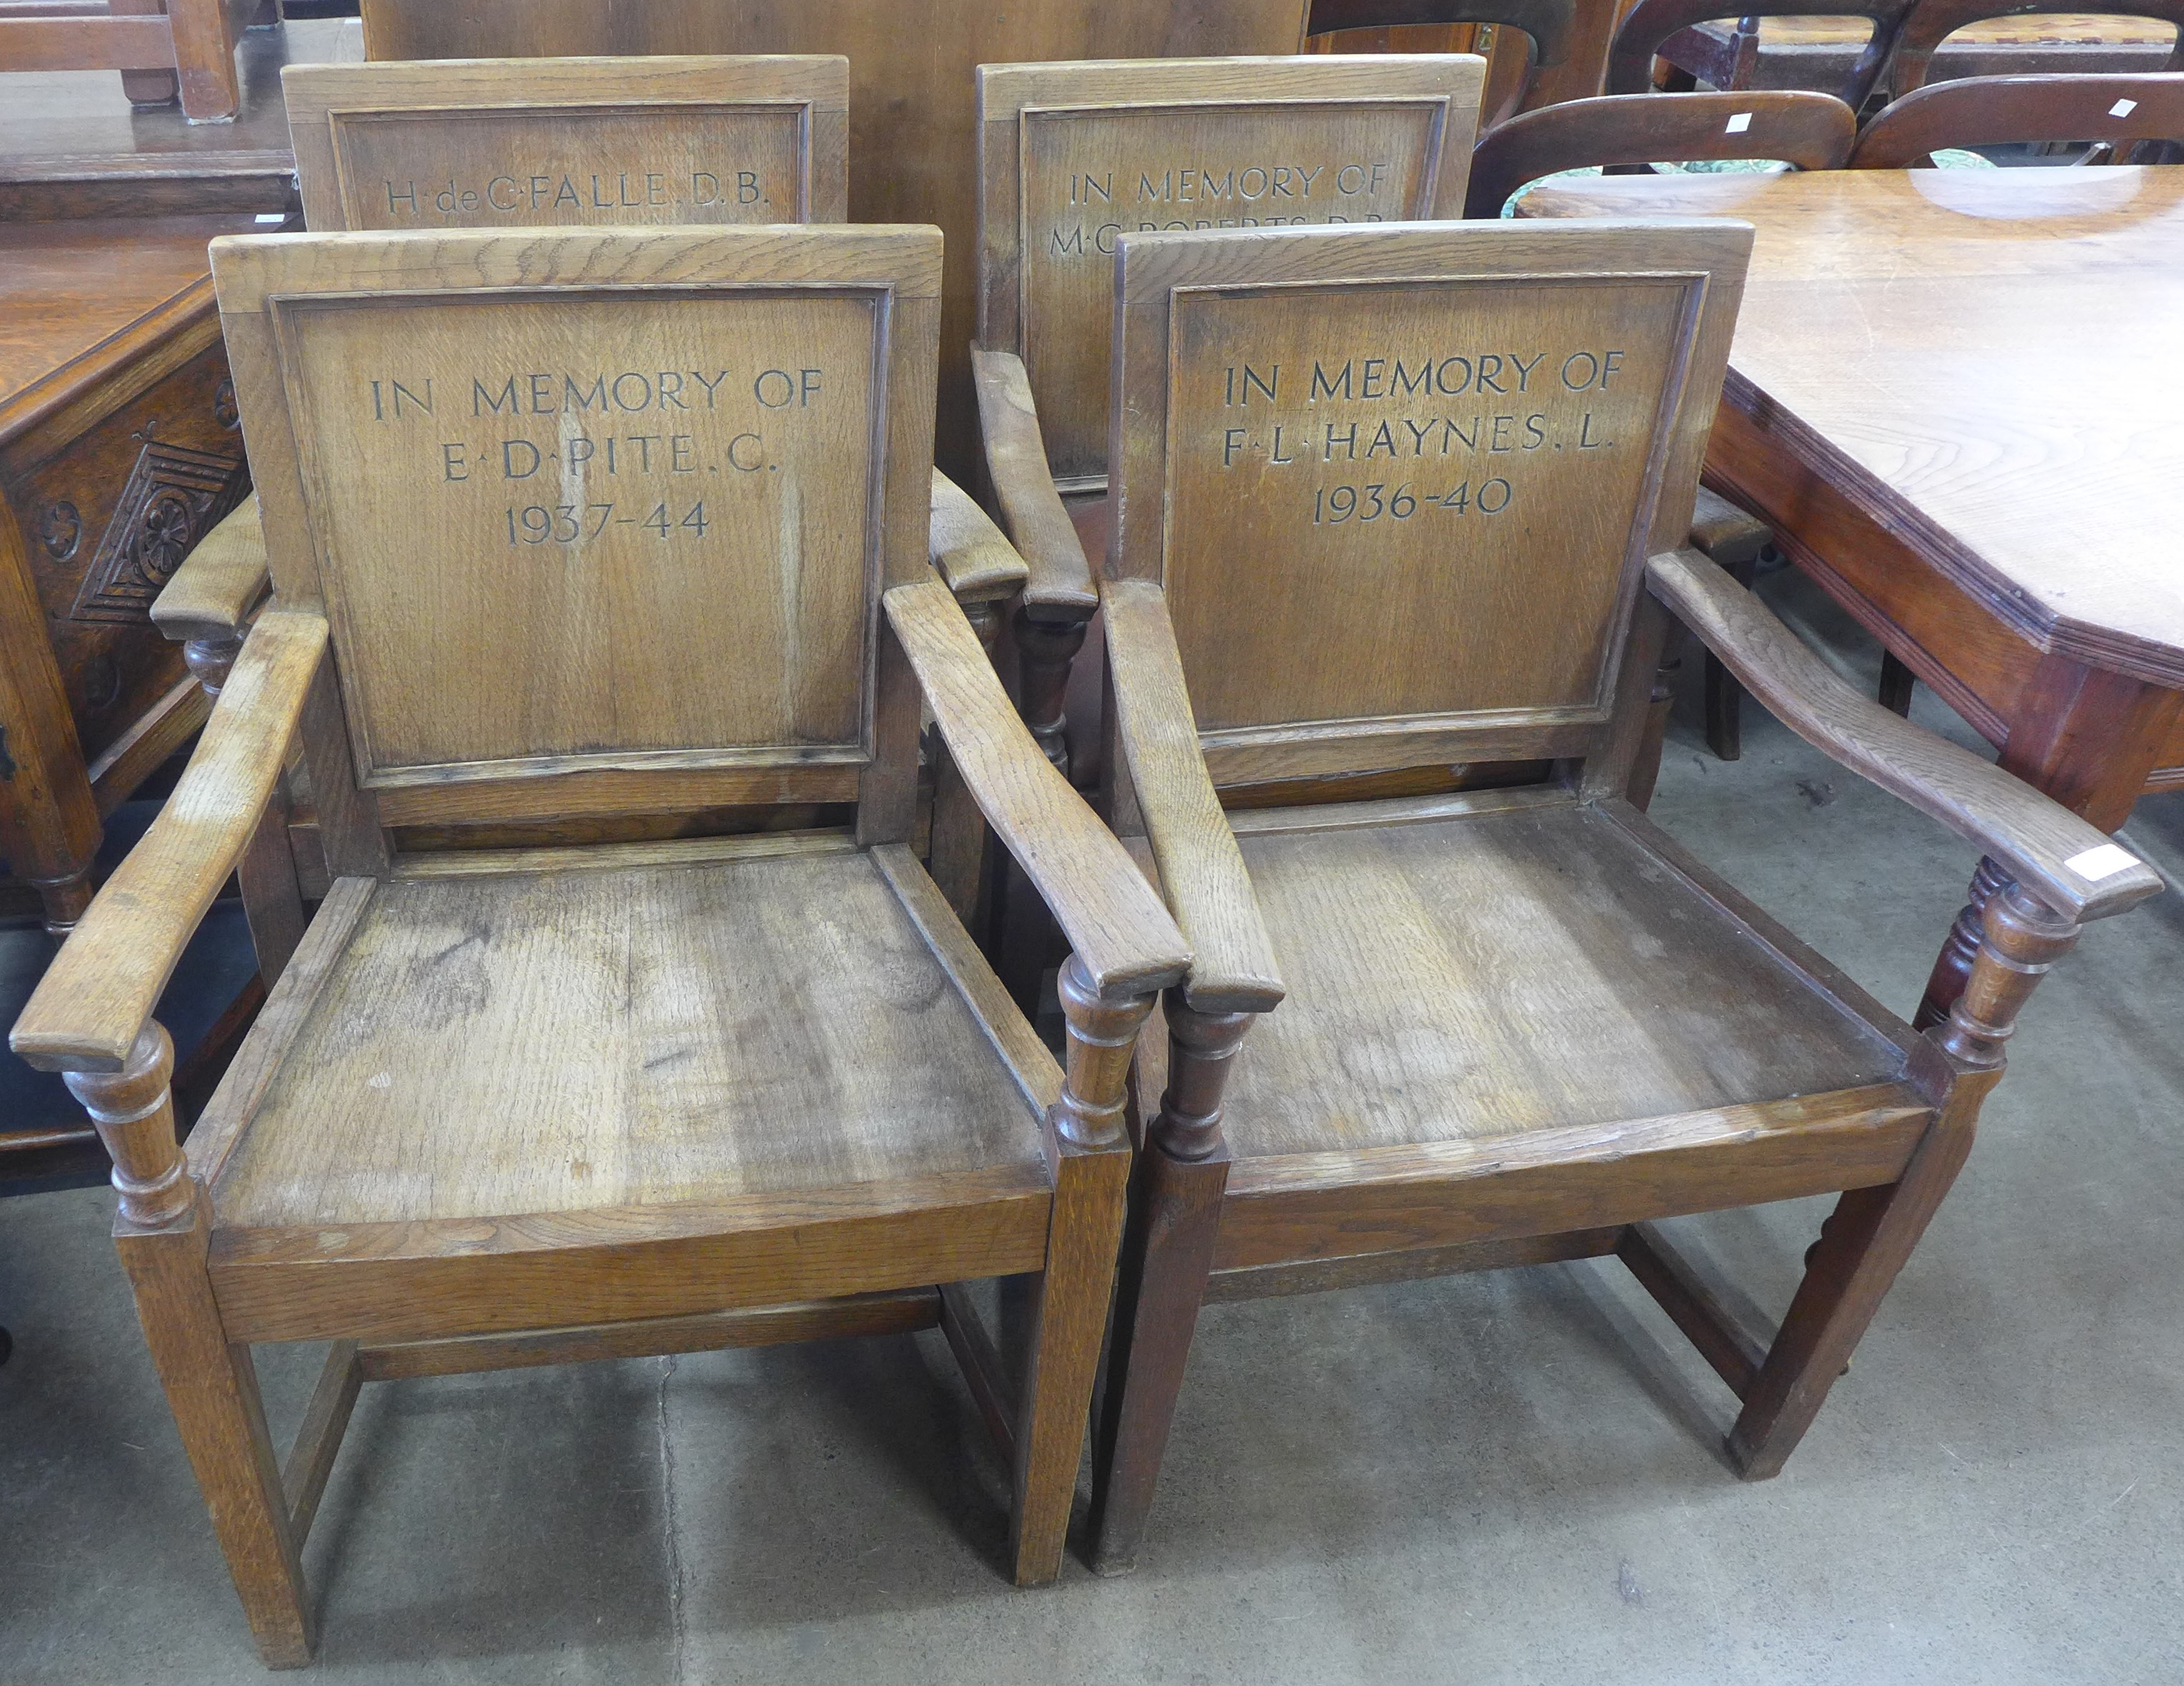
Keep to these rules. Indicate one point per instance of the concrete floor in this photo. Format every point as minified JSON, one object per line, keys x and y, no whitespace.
{"x":1505,"y":1479}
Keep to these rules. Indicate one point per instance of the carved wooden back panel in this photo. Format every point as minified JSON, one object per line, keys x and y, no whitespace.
{"x":529,"y":142}
{"x":599,"y":519}
{"x":1071,"y":157}
{"x":1400,"y":483}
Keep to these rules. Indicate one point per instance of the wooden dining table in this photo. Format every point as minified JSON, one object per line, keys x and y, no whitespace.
{"x":1957,"y":396}
{"x":1818,"y":51}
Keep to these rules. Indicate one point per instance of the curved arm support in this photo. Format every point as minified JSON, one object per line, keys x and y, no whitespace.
{"x":92,"y":1003}
{"x":1201,"y":870}
{"x":968,"y":551}
{"x":1124,"y":939}
{"x":1060,"y":586}
{"x":2068,"y":864}
{"x":207,"y":602}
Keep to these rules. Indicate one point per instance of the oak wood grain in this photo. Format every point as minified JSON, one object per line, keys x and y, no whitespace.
{"x":219,"y":583}
{"x":1059,"y":585}
{"x":589,"y":711}
{"x":912,"y":65}
{"x":899,"y":1311}
{"x":528,"y":142}
{"x":100,"y":989}
{"x":740,"y":1026}
{"x":1457,"y":1192}
{"x":1071,"y":156}
{"x":1415,"y":956}
{"x":427,"y":1280}
{"x":2037,"y":478}
{"x":971,"y":554}
{"x":1328,"y":464}
{"x":2036,"y":836}
{"x":1114,"y":920}
{"x":1202,"y":871}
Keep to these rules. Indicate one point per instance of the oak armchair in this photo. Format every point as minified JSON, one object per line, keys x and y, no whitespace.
{"x":1072,"y":155}
{"x":532,"y":1104}
{"x":1427,"y":1034}
{"x":598,"y":141}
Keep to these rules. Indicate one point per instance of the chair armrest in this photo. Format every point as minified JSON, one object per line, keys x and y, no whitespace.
{"x":2067,"y":863}
{"x":972,"y":554}
{"x":1202,"y":870}
{"x":1060,"y":587}
{"x":219,"y":582}
{"x":1113,"y":917}
{"x":102,"y":985}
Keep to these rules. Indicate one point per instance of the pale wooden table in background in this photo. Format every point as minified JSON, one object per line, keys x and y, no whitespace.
{"x":1953,"y":393}
{"x":1818,"y":52}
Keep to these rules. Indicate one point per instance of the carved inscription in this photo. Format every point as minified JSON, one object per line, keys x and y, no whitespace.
{"x":485,"y":169}
{"x":594,"y":526}
{"x":1427,"y":490}
{"x":1091,"y":176}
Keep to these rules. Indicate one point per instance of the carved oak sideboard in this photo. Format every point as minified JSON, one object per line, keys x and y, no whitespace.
{"x":119,"y":448}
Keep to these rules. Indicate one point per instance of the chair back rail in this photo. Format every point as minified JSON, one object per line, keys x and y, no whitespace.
{"x":600,"y":521}
{"x":1546,"y":24}
{"x":1399,"y":484}
{"x":1072,"y":156}
{"x":532,"y":142}
{"x":1809,"y":130}
{"x":1932,"y":22}
{"x":1650,"y":23}
{"x":1998,"y":110}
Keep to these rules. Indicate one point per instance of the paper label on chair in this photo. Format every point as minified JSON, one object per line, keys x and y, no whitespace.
{"x":2105,"y":862}
{"x":1738,"y":124}
{"x":2123,"y":108}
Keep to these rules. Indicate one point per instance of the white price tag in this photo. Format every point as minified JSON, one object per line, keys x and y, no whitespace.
{"x":2105,"y":862}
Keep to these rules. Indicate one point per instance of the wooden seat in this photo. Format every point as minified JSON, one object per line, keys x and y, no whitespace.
{"x":531,"y":1105}
{"x":1649,"y":25}
{"x":1434,"y":1032}
{"x":1576,"y":919}
{"x":768,"y":1025}
{"x":1932,"y":22}
{"x":2124,"y":114}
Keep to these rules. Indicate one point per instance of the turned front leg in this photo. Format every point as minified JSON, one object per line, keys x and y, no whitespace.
{"x":163,"y":1234}
{"x":1044,"y":651}
{"x":134,"y":1111}
{"x":1872,"y":1231}
{"x":1954,"y":963}
{"x":1167,"y":1256}
{"x":1091,"y":1153}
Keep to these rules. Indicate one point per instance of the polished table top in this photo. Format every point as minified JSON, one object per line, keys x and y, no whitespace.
{"x":69,"y":289}
{"x":2056,"y":29}
{"x":1991,"y":361}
